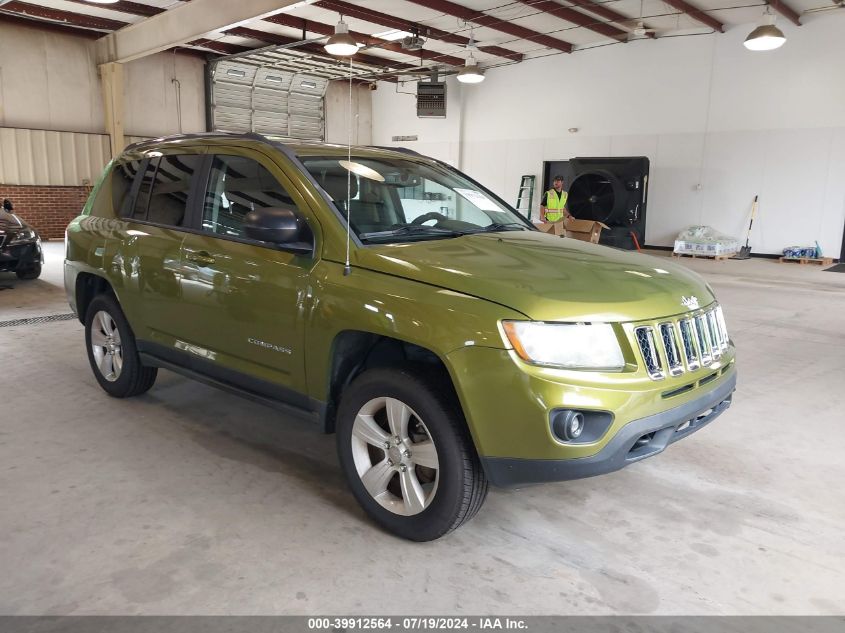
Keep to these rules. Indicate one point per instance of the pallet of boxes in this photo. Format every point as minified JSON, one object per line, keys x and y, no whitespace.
{"x":705,"y":241}
{"x":584,"y":230}
{"x":805,"y":255}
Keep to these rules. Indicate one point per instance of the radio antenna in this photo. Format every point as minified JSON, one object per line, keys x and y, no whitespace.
{"x":348,"y":268}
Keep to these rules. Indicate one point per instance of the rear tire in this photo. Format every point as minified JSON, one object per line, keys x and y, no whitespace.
{"x":30,"y":273}
{"x":112,"y":352}
{"x":429,"y":481}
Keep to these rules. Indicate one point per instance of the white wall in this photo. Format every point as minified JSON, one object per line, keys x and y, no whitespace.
{"x":705,"y":111}
{"x":152,"y":104}
{"x":337,"y":113}
{"x":50,"y":81}
{"x":395,"y":114}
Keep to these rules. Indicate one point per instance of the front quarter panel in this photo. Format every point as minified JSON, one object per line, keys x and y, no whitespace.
{"x":434,"y":318}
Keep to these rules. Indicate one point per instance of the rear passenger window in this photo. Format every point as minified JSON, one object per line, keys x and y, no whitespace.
{"x":122,"y":178}
{"x":236,"y":186}
{"x":170,"y":189}
{"x":142,"y":200}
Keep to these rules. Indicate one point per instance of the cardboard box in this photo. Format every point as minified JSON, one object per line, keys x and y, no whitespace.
{"x":553,"y":228}
{"x":584,"y":230}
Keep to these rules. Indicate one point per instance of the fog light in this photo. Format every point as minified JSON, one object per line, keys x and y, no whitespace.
{"x":579,"y":427}
{"x":573,"y":425}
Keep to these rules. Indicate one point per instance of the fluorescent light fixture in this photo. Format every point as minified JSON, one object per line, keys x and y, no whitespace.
{"x":234,"y":72}
{"x":102,"y":1}
{"x":274,"y":79}
{"x":471,"y":73}
{"x":766,"y":37}
{"x":393,"y":35}
{"x":307,"y":84}
{"x":341,"y":43}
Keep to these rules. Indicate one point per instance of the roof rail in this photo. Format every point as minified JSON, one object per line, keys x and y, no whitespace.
{"x":196,"y":136}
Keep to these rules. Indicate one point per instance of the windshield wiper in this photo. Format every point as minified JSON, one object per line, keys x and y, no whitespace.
{"x":501,"y":226}
{"x":409,"y":230}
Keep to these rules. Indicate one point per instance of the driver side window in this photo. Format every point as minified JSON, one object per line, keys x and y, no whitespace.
{"x":236,"y":186}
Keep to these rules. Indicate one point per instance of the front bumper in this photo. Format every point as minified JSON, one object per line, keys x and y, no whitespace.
{"x":20,"y":256}
{"x":509,"y":407}
{"x":635,"y":441}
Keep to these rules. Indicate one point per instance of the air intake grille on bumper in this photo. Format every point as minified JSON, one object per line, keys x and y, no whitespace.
{"x":682,"y":345}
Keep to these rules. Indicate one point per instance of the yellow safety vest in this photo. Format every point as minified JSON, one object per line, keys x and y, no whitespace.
{"x":554,"y":205}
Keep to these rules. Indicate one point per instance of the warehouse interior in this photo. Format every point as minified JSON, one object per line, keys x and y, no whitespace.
{"x":188,"y":500}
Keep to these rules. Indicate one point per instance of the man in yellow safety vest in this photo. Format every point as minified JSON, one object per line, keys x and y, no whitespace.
{"x":553,"y":204}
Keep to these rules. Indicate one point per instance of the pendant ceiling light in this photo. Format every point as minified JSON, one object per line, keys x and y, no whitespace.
{"x":765,"y":37}
{"x":341,"y":43}
{"x":471,"y":73}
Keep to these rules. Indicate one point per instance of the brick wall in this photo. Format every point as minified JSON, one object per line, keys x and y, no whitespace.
{"x":47,"y":209}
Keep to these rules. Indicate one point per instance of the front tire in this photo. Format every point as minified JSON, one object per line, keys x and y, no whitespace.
{"x":406,"y":453}
{"x":112,"y":352}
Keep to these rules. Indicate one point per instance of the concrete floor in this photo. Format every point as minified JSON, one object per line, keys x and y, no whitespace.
{"x":191,"y":501}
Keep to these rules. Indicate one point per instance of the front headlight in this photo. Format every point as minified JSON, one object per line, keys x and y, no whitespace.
{"x":566,"y":345}
{"x":23,"y":236}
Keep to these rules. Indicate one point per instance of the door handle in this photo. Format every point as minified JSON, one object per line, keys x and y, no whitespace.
{"x":199,"y":257}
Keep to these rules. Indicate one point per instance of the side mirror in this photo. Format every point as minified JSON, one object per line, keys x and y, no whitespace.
{"x":8,"y":206}
{"x":276,"y":225}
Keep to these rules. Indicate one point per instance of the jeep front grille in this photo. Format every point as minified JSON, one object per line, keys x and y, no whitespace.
{"x":688,"y":338}
{"x":648,"y":347}
{"x":670,"y":345}
{"x":682,"y":345}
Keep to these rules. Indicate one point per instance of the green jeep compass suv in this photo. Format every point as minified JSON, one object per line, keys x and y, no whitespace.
{"x":444,"y":340}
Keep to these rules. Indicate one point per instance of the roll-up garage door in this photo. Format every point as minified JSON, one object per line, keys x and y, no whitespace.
{"x":250,"y":98}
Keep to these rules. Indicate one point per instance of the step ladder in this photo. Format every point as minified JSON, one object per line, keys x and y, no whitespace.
{"x":525,"y":197}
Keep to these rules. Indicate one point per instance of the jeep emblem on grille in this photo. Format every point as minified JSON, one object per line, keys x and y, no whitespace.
{"x":690,"y":302}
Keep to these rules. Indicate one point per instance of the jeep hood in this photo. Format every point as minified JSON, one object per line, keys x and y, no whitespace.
{"x":546,"y":277}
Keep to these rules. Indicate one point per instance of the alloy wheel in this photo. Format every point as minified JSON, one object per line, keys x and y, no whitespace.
{"x":106,"y":346}
{"x":395,"y":456}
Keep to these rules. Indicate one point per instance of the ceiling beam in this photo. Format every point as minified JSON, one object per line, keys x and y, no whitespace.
{"x":64,"y":29}
{"x":392,"y":22}
{"x":786,"y":11}
{"x":576,"y":17}
{"x":603,"y":11}
{"x":283,"y":40}
{"x":696,"y":13}
{"x":51,"y":27}
{"x":124,"y":6}
{"x":57,"y":16}
{"x":492,"y":22}
{"x":194,"y":20}
{"x":328,"y":29}
{"x":224,"y":48}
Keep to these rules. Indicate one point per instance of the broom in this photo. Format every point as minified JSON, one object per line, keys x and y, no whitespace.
{"x":745,"y":251}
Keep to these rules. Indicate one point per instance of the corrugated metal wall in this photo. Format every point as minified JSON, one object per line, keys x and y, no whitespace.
{"x":42,"y":157}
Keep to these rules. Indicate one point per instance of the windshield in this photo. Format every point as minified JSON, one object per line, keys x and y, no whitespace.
{"x":399,"y":200}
